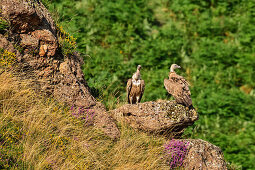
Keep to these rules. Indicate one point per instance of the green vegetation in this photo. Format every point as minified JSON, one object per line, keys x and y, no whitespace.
{"x":7,"y":58}
{"x":66,"y":41}
{"x":3,"y":25}
{"x":213,"y":41}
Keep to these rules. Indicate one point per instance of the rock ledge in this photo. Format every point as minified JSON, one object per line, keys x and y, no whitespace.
{"x":161,"y":117}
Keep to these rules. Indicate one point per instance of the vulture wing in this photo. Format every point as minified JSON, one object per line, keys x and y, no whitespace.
{"x":179,"y":89}
{"x":170,"y":86}
{"x":129,"y":86}
{"x":178,"y":78}
{"x":142,"y":87}
{"x":182,"y":95}
{"x":184,"y":81}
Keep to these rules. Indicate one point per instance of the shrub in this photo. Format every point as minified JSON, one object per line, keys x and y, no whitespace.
{"x":3,"y":25}
{"x":67,"y":42}
{"x":7,"y":58}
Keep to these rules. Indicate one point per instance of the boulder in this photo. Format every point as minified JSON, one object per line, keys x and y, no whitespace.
{"x":5,"y":44}
{"x":203,"y":155}
{"x":39,"y":58}
{"x":161,"y":117}
{"x":26,"y":16}
{"x":47,"y":40}
{"x":103,"y":121}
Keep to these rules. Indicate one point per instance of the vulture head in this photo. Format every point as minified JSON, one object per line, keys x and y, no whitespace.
{"x":174,"y":66}
{"x":136,"y":76}
{"x":139,"y":67}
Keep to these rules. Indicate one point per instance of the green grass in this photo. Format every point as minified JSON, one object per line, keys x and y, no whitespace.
{"x":3,"y":25}
{"x":213,"y":41}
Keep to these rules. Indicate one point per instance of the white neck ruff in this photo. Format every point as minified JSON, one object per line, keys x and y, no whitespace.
{"x":136,"y":82}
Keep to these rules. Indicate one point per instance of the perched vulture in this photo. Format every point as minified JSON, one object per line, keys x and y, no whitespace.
{"x":178,"y":87}
{"x":135,"y":87}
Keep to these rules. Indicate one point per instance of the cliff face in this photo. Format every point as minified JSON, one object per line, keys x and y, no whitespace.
{"x":32,"y":37}
{"x":33,"y":31}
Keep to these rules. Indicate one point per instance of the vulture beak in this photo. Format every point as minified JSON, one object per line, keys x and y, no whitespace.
{"x":139,"y":67}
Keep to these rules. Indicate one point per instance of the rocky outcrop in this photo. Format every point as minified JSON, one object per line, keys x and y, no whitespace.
{"x":5,"y":44}
{"x":162,"y":117}
{"x":33,"y":38}
{"x":26,"y":16}
{"x":203,"y":155}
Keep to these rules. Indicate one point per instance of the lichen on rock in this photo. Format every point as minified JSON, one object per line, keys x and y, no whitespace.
{"x":203,"y":155}
{"x":161,"y":117}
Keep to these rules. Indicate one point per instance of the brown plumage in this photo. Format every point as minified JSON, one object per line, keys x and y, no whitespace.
{"x":135,"y":87}
{"x":178,"y":87}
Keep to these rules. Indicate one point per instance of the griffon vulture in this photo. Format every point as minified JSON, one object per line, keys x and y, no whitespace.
{"x":178,"y":87}
{"x":135,"y":87}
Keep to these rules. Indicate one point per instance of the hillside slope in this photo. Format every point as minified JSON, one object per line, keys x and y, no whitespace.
{"x":38,"y":133}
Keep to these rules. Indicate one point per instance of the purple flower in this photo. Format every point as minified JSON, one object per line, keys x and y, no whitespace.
{"x":175,"y":152}
{"x":81,"y":113}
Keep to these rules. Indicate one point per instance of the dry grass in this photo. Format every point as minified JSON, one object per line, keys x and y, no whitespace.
{"x":38,"y":133}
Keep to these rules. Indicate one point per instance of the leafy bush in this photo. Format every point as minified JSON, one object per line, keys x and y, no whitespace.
{"x":66,"y":41}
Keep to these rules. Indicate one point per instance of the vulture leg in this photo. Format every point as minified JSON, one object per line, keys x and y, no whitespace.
{"x":137,"y":99}
{"x":131,"y":100}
